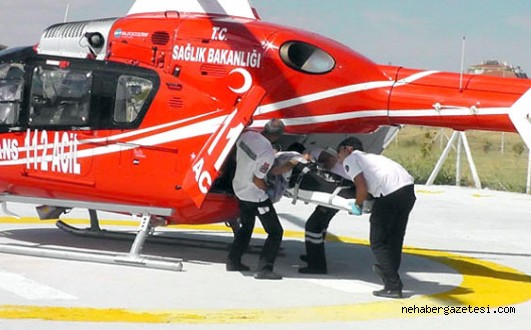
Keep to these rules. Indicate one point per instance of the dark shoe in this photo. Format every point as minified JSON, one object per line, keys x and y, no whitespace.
{"x":378,"y":271}
{"x":266,"y":274}
{"x":236,"y":267}
{"x":385,"y":293}
{"x":309,"y":270}
{"x":303,"y":257}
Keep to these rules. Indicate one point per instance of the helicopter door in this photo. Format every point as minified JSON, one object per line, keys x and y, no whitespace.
{"x":58,"y":123}
{"x":207,"y":164}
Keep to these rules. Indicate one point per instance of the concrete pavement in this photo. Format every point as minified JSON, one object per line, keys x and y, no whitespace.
{"x":464,"y":247}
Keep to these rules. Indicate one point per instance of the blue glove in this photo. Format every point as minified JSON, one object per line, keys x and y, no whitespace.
{"x":356,"y":209}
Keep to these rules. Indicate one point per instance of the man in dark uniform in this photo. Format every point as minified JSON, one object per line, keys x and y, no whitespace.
{"x":393,"y":189}
{"x":317,"y":224}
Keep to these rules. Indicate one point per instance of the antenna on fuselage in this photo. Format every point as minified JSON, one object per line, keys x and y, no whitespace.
{"x":66,"y":12}
{"x":462,"y":64}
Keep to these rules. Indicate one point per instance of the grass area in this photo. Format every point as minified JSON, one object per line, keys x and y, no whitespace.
{"x":501,"y":159}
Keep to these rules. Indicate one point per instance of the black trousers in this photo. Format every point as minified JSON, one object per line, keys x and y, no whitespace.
{"x":315,"y":236}
{"x":388,"y":220}
{"x":268,"y":216}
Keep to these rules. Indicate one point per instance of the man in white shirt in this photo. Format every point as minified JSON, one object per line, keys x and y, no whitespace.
{"x":254,"y":159}
{"x":393,"y":189}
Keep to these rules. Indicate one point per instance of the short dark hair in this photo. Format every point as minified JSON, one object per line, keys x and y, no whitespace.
{"x":296,"y":146}
{"x":351,"y":141}
{"x":274,"y":126}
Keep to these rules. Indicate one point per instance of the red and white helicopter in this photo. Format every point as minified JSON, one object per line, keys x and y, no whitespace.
{"x":138,"y":114}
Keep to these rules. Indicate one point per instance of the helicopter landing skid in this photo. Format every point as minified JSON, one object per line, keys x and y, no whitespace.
{"x":149,"y":218}
{"x":96,"y":232}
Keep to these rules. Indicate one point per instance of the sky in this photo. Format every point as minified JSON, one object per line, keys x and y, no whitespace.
{"x":424,"y":34}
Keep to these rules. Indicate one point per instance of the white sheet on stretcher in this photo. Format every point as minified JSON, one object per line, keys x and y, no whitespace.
{"x":326,"y":199}
{"x":321,"y":198}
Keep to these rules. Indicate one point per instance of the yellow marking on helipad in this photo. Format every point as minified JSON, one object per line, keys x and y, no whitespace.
{"x":429,"y":192}
{"x":485,"y":284}
{"x":481,"y":195}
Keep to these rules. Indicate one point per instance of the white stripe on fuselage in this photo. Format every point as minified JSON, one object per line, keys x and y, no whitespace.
{"x":210,"y":125}
{"x":115,"y":145}
{"x":340,"y":91}
{"x":202,"y":128}
{"x":358,"y":114}
{"x":138,"y":132}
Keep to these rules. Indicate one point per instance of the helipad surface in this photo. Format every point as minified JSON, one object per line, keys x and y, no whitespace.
{"x":465,"y":249}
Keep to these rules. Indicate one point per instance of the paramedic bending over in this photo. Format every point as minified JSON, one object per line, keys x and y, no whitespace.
{"x":393,"y":190}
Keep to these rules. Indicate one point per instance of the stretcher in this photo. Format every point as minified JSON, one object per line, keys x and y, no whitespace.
{"x":311,"y":184}
{"x":315,"y":186}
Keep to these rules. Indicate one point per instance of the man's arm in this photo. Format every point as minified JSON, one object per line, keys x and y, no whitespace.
{"x":260,"y":183}
{"x":286,"y":167}
{"x":361,"y":189}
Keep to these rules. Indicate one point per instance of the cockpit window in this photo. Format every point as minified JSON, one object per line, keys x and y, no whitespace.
{"x":60,"y":97}
{"x":55,"y":93}
{"x":131,"y":94}
{"x":11,"y":91}
{"x":307,"y":58}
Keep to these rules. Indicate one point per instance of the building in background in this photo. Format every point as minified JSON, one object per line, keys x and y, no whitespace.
{"x":2,"y":47}
{"x":497,"y":69}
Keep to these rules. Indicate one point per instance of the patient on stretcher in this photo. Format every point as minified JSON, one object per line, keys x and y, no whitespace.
{"x":311,"y":183}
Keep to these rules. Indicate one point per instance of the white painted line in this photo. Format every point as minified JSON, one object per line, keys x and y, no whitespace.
{"x":443,"y":278}
{"x":29,"y":289}
{"x":350,"y":286}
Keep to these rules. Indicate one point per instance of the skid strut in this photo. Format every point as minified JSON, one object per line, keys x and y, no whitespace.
{"x":134,"y":258}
